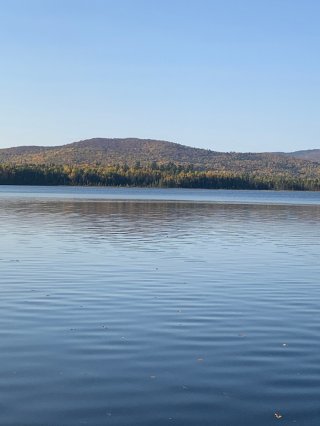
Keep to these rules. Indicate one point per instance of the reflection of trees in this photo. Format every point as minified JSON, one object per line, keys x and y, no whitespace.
{"x":113,"y":219}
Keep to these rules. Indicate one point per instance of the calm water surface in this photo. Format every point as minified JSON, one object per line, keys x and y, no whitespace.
{"x":159,"y":307}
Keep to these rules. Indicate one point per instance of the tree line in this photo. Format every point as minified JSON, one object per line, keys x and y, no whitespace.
{"x":169,"y":175}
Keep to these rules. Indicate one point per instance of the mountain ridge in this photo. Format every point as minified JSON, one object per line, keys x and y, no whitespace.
{"x":306,"y":154}
{"x":110,"y":151}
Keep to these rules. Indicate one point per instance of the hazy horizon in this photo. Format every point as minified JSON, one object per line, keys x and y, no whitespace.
{"x":226,"y":76}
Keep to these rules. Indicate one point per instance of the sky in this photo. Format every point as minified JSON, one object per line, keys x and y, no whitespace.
{"x":229,"y":75}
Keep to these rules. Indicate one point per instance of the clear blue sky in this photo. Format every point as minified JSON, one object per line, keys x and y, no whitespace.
{"x":230,"y":75}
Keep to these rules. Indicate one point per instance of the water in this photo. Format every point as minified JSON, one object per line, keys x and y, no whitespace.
{"x":201,"y":311}
{"x":173,"y":194}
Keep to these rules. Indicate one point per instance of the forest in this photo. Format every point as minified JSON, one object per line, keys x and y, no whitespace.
{"x":169,"y":175}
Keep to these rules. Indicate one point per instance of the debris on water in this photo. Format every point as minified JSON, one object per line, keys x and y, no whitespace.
{"x":278,"y":415}
{"x":152,"y":377}
{"x":200,"y":359}
{"x":184,"y":387}
{"x":284,"y":344}
{"x":109,"y":414}
{"x":242,"y":335}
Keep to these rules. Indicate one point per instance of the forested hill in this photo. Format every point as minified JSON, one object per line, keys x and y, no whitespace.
{"x":109,"y":152}
{"x":308,"y":154}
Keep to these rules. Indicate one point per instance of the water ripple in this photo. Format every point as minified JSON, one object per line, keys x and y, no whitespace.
{"x":140,"y":313}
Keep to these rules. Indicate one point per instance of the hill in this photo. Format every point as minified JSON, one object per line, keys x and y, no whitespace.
{"x":104,"y":152}
{"x":308,"y":154}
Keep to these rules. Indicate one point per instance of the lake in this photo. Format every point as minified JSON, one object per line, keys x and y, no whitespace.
{"x":155,"y":307}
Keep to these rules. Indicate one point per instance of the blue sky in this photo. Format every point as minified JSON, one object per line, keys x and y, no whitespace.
{"x":229,"y":75}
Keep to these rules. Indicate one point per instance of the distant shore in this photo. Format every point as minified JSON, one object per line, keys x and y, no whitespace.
{"x":153,"y":176}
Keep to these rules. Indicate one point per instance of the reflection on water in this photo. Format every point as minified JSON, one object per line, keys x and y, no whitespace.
{"x":140,"y":313}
